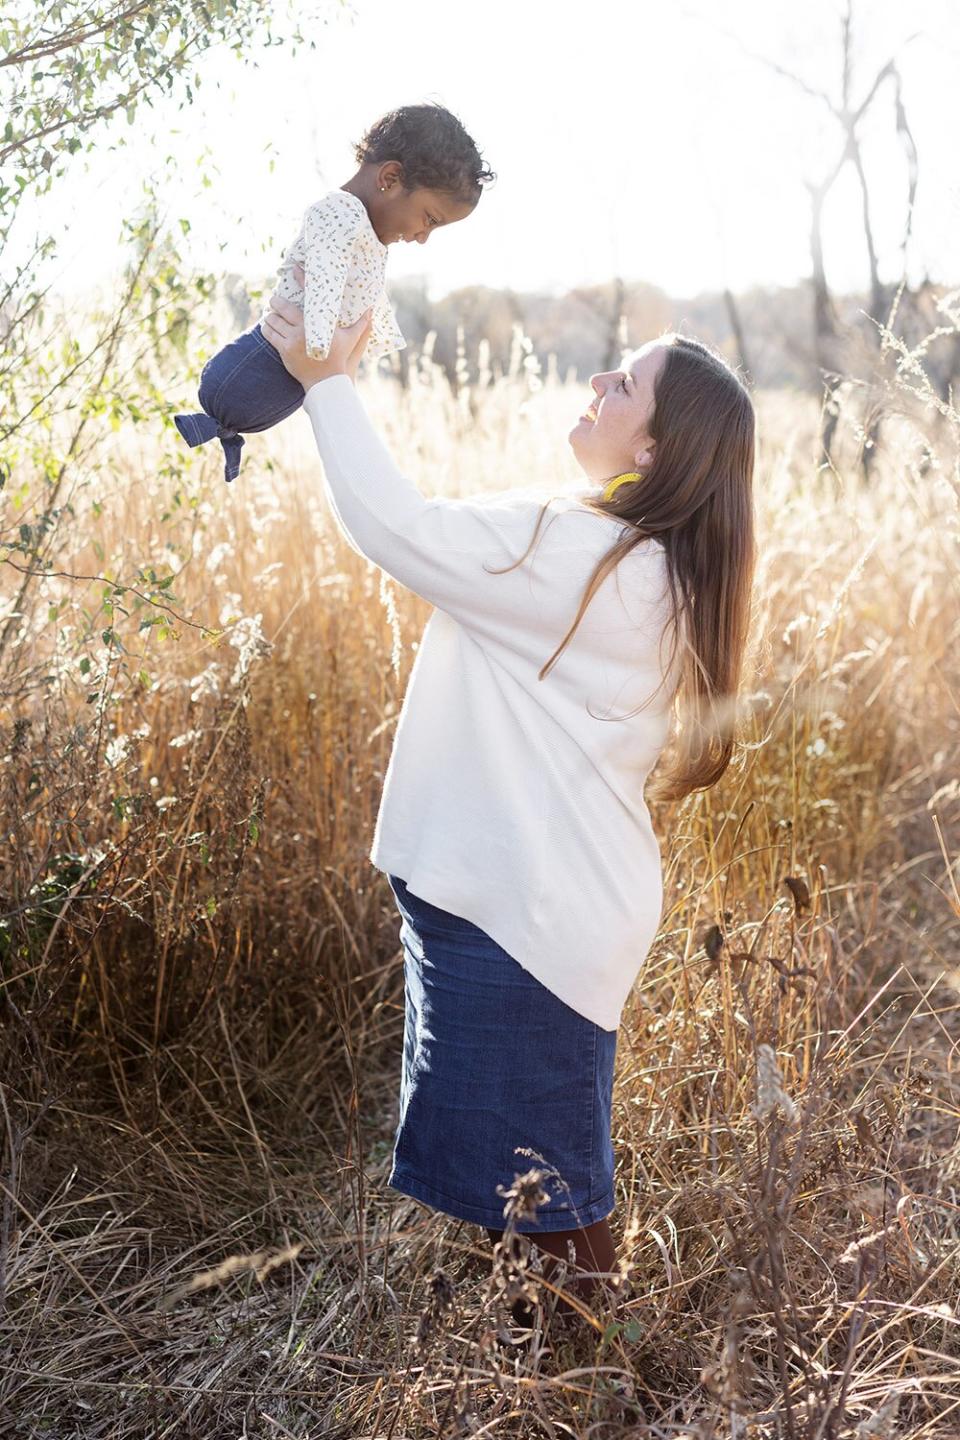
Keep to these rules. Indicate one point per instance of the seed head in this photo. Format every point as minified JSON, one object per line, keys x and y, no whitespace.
{"x":770,"y":1091}
{"x":524,"y":1196}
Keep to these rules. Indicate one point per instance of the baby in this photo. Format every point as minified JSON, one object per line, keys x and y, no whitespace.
{"x":419,"y":169}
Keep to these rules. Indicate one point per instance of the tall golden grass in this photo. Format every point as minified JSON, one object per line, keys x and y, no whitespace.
{"x":203,"y":998}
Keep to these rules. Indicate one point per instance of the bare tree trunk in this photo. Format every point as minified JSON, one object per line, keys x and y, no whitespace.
{"x":613,"y":349}
{"x":848,"y":116}
{"x":824,"y":320}
{"x":733,"y":315}
{"x":878,"y":298}
{"x":874,"y":418}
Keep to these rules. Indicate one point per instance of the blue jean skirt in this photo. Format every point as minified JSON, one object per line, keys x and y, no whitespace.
{"x":495,"y":1066}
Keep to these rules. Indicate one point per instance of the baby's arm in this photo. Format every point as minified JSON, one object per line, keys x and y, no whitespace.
{"x":329,"y":230}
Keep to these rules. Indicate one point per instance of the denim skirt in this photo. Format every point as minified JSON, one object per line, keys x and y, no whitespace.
{"x":498,"y":1076}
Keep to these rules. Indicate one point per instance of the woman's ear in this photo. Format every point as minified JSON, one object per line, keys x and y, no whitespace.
{"x":644,"y":457}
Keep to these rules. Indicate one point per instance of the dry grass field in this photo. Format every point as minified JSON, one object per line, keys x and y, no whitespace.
{"x":202,"y":990}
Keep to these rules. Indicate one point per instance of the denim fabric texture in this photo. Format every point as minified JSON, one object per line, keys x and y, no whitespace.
{"x":243,"y":388}
{"x":493,"y":1060}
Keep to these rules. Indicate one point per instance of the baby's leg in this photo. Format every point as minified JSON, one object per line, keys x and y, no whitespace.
{"x":243,"y":388}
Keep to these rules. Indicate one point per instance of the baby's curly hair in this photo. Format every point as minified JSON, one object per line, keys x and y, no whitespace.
{"x":432,"y":146}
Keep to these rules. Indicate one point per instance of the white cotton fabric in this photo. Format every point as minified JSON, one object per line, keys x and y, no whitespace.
{"x":344,"y":261}
{"x":505,"y":800}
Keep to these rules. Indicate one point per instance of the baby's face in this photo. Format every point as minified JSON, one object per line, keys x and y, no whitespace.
{"x":413,"y":215}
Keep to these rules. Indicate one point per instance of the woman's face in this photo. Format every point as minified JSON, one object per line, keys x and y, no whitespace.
{"x":613,"y":437}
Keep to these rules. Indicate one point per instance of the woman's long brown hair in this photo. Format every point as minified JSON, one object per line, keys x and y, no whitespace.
{"x":696,"y":497}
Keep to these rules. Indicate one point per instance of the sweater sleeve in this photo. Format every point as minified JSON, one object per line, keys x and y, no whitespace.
{"x":329,"y":230}
{"x":442,"y":549}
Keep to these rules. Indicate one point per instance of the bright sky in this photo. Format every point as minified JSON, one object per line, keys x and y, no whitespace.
{"x":630,"y":136}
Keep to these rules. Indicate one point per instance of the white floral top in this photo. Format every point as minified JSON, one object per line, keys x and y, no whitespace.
{"x":344,"y":261}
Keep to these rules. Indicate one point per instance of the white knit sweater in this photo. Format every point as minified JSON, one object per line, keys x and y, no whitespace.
{"x":506,"y":801}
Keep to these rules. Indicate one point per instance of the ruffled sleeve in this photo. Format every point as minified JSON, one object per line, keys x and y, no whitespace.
{"x":385,"y":333}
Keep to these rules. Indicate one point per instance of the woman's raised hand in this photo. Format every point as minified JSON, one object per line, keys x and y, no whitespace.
{"x":283,"y":327}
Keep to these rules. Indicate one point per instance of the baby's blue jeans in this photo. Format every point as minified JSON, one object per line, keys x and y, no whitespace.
{"x":244,"y":387}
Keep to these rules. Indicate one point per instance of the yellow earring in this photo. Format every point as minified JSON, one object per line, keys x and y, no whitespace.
{"x":620,"y":480}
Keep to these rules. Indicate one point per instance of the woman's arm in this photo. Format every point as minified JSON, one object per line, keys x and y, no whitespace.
{"x":442,"y":549}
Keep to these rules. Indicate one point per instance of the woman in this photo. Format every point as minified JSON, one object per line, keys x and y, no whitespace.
{"x":513,"y":826}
